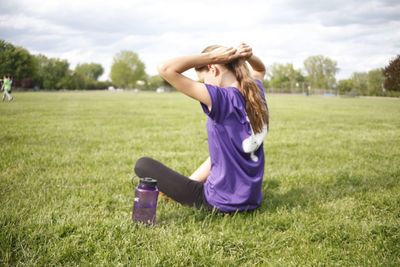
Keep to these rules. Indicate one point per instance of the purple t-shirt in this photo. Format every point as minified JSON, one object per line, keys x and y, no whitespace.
{"x":236,"y":176}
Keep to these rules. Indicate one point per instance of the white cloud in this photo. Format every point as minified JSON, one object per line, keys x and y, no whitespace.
{"x":359,"y":35}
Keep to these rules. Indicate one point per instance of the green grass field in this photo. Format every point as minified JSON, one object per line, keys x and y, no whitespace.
{"x":331,"y":185}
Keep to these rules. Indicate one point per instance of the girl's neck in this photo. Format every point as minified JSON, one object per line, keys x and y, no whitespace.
{"x":228,"y":79}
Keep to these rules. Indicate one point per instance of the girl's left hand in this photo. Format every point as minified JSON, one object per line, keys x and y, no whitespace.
{"x":224,"y":55}
{"x":244,"y":51}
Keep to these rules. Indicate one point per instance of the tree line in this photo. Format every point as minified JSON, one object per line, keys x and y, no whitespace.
{"x":41,"y":72}
{"x":320,"y":76}
{"x":128,"y":71}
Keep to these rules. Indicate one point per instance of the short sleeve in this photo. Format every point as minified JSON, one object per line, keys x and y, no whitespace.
{"x":261,"y":87}
{"x":221,"y":105}
{"x":262,"y":91}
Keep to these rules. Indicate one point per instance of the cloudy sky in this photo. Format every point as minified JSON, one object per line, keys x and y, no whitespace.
{"x":359,"y":34}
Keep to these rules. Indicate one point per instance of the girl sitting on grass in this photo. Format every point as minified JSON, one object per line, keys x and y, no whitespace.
{"x":233,"y":99}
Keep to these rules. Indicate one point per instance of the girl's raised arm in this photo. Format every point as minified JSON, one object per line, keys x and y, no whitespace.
{"x":258,"y":67}
{"x":173,"y":68}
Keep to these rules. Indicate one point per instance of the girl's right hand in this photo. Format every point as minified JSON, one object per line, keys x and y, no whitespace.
{"x":223,"y":55}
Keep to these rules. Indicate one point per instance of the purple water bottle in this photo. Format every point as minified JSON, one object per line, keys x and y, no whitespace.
{"x":145,"y":203}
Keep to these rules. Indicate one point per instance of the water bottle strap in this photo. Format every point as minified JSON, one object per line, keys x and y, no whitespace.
{"x":133,"y":178}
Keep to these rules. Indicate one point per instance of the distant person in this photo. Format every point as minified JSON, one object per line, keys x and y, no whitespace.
{"x":6,"y":87}
{"x":233,"y":98}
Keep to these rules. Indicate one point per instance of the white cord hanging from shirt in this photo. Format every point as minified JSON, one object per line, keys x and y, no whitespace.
{"x":254,"y":141}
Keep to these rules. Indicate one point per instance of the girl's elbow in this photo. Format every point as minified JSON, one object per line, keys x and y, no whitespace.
{"x":163,"y":70}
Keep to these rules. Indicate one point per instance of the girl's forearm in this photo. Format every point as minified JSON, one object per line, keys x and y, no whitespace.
{"x":256,"y":63}
{"x":184,"y":63}
{"x":219,"y":55}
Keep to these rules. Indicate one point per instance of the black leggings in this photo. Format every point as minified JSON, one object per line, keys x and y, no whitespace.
{"x":176,"y":186}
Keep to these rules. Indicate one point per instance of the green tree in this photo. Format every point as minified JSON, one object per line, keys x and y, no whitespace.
{"x":85,"y":76}
{"x":155,"y":81}
{"x":345,"y":86}
{"x":375,"y":82}
{"x":321,"y":71}
{"x":360,"y":82}
{"x":91,"y":71}
{"x":73,"y":81}
{"x":365,"y":83}
{"x":284,"y":76}
{"x":392,"y":75}
{"x":51,"y":71}
{"x":16,"y":61}
{"x":127,"y":69}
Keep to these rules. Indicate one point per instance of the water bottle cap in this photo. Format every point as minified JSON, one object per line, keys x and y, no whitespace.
{"x":148,"y":181}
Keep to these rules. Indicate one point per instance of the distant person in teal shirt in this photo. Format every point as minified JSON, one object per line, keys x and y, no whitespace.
{"x":6,"y":87}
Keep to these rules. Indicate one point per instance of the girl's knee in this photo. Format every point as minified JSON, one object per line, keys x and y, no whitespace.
{"x":142,"y":165}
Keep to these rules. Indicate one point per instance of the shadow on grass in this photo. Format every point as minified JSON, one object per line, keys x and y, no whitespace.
{"x":310,"y":194}
{"x":341,"y":185}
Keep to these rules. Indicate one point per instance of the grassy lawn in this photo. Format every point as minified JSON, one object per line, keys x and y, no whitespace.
{"x":331,"y":185}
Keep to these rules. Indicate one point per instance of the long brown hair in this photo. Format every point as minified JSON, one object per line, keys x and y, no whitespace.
{"x":256,"y":108}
